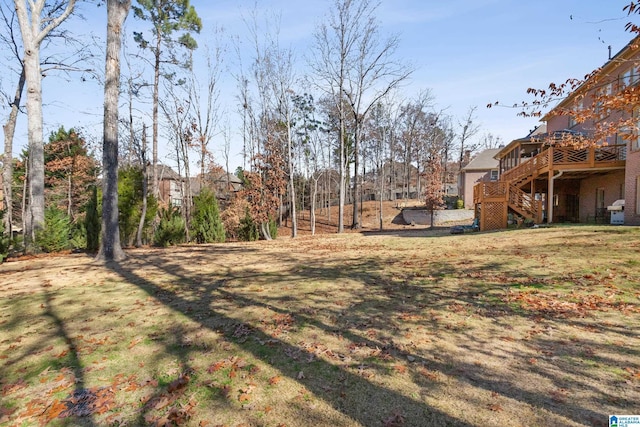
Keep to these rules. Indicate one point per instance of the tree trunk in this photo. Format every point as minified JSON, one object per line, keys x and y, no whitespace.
{"x":292,"y":189}
{"x":187,"y":196}
{"x":110,"y":247}
{"x":69,"y":194}
{"x":35,"y":199}
{"x":355,"y":223}
{"x":7,"y":173}
{"x":33,"y":30}
{"x":25,"y":186}
{"x":264,"y":230}
{"x":343,"y":172}
{"x":154,"y":149}
{"x":312,"y":214}
{"x":145,"y":186}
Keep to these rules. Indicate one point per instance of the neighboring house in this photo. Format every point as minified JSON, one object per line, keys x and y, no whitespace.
{"x":544,"y":179}
{"x":170,"y":185}
{"x":224,"y":186}
{"x":483,"y":168}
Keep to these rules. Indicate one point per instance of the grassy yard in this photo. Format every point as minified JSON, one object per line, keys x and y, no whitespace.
{"x":527,"y":327}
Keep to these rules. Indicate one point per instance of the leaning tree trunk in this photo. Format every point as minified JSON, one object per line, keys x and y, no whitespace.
{"x":7,"y":173}
{"x":110,"y":246}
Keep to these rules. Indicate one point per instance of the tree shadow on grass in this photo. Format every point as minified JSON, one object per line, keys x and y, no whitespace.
{"x":82,"y":403}
{"x":377,"y":304}
{"x":350,"y":394}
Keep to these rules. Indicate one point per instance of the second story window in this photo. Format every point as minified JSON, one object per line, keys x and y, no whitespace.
{"x":635,"y":132}
{"x":630,"y":77}
{"x":602,"y":95}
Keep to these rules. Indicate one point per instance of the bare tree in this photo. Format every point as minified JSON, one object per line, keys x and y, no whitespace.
{"x":282,"y":80}
{"x":177,"y":110}
{"x":379,"y":125}
{"x":268,"y":117}
{"x":414,"y":125}
{"x":489,"y":140}
{"x":110,"y":246}
{"x":34,"y":29}
{"x":469,"y":130}
{"x":334,"y":41}
{"x":357,"y":67}
{"x":373,"y":75}
{"x":206,"y":112}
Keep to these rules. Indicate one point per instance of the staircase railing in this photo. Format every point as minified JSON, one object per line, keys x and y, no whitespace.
{"x":525,"y":203}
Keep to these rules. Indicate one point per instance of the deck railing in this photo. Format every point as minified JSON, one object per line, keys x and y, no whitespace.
{"x":591,"y":156}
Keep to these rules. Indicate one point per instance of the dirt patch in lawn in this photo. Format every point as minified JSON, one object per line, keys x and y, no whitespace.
{"x":527,"y":327}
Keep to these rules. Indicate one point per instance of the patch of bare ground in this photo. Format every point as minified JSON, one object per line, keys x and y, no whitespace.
{"x":527,"y":327}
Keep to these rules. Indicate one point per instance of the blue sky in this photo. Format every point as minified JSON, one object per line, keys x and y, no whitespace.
{"x":467,"y":52}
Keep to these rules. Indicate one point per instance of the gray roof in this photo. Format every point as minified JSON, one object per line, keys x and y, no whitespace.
{"x":484,"y":161}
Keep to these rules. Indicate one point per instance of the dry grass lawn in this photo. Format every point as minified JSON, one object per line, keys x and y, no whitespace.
{"x":535,"y":327}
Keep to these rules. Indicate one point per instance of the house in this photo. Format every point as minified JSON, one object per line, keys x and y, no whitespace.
{"x":560,"y":175}
{"x":483,"y":168}
{"x":223,"y":184}
{"x":170,"y":185}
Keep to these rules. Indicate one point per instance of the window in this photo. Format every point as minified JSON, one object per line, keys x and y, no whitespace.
{"x":635,"y":140}
{"x":630,"y":77}
{"x":625,"y":78}
{"x":577,"y":107}
{"x":602,"y":94}
{"x":494,"y":175}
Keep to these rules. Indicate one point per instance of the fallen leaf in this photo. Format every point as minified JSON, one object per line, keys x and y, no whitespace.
{"x":432,"y":375}
{"x":134,"y":342}
{"x":275,"y":380}
{"x":401,"y":369}
{"x":216,"y":366}
{"x":494,"y":407}
{"x":178,"y":383}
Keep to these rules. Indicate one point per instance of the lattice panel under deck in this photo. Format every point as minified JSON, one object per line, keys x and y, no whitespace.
{"x":494,"y":216}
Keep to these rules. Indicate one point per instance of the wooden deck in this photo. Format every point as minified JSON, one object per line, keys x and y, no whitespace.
{"x":493,"y":199}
